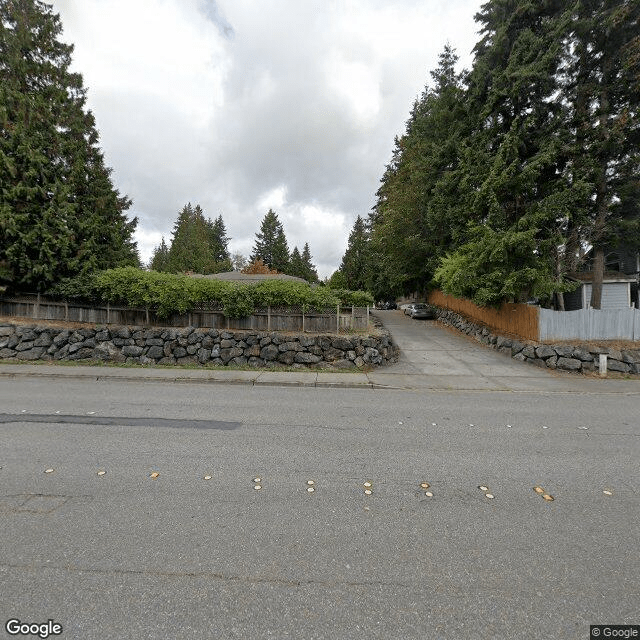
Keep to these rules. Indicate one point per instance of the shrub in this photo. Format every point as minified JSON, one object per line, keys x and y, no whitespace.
{"x":168,"y":293}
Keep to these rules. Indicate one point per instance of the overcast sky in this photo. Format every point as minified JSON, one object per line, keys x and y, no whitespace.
{"x":243,"y":105}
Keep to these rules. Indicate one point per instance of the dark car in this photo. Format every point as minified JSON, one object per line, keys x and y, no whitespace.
{"x":420,"y":310}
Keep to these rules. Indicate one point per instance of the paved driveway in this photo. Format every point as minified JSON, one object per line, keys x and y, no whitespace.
{"x":434,"y":357}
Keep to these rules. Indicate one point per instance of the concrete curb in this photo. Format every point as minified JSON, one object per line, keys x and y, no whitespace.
{"x":376,"y":380}
{"x":253,"y":378}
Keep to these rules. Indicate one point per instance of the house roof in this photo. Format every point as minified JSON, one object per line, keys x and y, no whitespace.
{"x":608,"y":276}
{"x":238,"y":276}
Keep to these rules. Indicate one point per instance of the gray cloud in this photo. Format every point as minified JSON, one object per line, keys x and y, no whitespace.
{"x":284,"y":104}
{"x":211,"y":11}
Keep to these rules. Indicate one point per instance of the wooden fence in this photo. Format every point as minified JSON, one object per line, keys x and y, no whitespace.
{"x":546,"y":325}
{"x":207,"y":315}
{"x":520,"y":320}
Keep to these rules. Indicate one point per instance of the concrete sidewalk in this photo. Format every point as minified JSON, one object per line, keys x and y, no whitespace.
{"x":394,"y":377}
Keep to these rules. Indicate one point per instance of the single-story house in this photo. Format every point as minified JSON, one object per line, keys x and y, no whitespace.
{"x":252,"y":278}
{"x":616,"y":291}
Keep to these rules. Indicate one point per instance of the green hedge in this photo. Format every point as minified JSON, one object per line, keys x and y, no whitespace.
{"x":168,"y":293}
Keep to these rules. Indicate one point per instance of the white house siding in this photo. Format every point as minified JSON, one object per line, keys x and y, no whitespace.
{"x":615,"y":295}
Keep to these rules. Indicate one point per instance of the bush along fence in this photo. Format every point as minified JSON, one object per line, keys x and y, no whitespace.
{"x":580,"y":358}
{"x":170,"y":346}
{"x":210,"y":315}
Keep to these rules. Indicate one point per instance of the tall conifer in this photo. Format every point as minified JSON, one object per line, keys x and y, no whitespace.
{"x":271,"y":244}
{"x":60,"y":215}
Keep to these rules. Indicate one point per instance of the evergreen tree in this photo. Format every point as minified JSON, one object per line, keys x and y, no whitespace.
{"x":60,"y":215}
{"x":602,"y":87}
{"x":190,"y":243}
{"x":310,"y":272}
{"x":354,"y":265}
{"x":198,"y":244}
{"x":160,"y":259}
{"x":271,"y":244}
{"x":412,"y":221}
{"x":512,"y":173}
{"x":296,"y":265}
{"x":219,"y":242}
{"x":505,"y":174}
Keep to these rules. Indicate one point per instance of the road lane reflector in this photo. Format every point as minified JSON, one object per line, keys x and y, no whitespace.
{"x":48,"y":470}
{"x":154,"y":475}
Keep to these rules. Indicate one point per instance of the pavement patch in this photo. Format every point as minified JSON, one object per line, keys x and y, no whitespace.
{"x":172,"y":423}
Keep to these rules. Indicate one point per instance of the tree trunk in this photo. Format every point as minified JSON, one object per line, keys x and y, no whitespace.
{"x":598,"y":273}
{"x":602,"y":191}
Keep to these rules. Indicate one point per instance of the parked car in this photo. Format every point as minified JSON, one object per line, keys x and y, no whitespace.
{"x":407,"y":308}
{"x":420,"y":310}
{"x":389,"y":304}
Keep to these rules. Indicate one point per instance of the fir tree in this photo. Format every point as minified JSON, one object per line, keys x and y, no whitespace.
{"x":160,"y":259}
{"x":296,"y":265}
{"x":602,"y":87}
{"x":514,"y":166}
{"x":355,"y":262}
{"x":310,"y":272}
{"x":60,"y":215}
{"x":219,"y":242}
{"x":416,"y":216}
{"x":271,"y":244}
{"x":190,"y":243}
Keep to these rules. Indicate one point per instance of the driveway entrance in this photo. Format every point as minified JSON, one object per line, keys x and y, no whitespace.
{"x":435,"y":357}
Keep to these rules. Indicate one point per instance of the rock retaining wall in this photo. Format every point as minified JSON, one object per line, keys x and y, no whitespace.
{"x":582,"y":358}
{"x":194,"y":346}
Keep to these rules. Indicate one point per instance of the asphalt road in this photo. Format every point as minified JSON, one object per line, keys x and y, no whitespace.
{"x":124,"y":555}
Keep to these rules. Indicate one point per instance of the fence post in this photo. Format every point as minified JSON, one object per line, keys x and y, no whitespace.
{"x":302,"y":319}
{"x":36,"y":308}
{"x":66,"y":311}
{"x":108,"y":313}
{"x":338,"y":319}
{"x":367,"y":317}
{"x":353,"y":317}
{"x":268,"y":317}
{"x":603,"y":365}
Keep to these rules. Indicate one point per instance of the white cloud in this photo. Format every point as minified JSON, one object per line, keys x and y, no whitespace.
{"x":241,"y":106}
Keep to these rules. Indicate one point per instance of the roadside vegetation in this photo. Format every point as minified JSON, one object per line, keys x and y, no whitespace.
{"x":168,"y":293}
{"x":515,"y":173}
